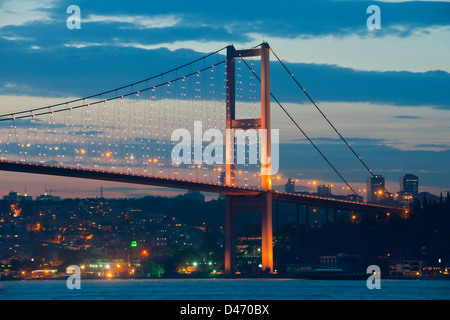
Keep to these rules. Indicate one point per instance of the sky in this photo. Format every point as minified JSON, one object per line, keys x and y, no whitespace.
{"x":386,"y":89}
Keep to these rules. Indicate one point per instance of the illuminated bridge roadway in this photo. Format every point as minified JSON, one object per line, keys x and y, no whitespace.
{"x":141,"y":179}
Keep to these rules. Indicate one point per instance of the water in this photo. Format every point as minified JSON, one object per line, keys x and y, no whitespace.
{"x":225,"y":289}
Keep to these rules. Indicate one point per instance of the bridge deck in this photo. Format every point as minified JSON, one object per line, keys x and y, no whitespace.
{"x":295,"y":198}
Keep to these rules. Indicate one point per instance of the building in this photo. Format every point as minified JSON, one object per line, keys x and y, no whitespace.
{"x":324,"y":190}
{"x":409,"y":183}
{"x":48,"y":197}
{"x":222,"y":181}
{"x":341,"y":261}
{"x":408,"y":268}
{"x":16,"y":197}
{"x":222,"y":177}
{"x":426,"y":197}
{"x":290,"y":186}
{"x":405,"y":199}
{"x":354,"y":198}
{"x":375,"y":189}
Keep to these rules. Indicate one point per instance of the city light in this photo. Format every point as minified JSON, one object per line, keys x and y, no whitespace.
{"x":101,"y":232}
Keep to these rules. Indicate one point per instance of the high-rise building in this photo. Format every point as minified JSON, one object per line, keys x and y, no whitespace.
{"x":222,"y":181}
{"x":409,"y":183}
{"x":290,"y":186}
{"x":324,"y":190}
{"x":222,"y":177}
{"x":375,"y":189}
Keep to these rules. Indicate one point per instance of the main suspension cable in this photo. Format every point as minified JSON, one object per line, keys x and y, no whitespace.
{"x":12,"y":114}
{"x":303,"y":132}
{"x":328,"y":120}
{"x":29,"y":115}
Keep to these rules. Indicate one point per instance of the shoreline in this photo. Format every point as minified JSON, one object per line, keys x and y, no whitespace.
{"x":339,"y":277}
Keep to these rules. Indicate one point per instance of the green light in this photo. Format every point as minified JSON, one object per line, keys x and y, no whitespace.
{"x":133,"y":243}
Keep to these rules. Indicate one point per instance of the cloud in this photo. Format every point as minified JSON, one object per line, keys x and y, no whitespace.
{"x":387,"y":88}
{"x":140,"y":22}
{"x":396,"y":1}
{"x":333,"y":84}
{"x":21,"y":12}
{"x":382,"y":159}
{"x":366,"y":124}
{"x":369,"y":52}
{"x":407,"y":117}
{"x":62,"y":72}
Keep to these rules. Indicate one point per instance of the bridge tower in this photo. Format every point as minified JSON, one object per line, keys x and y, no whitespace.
{"x":238,"y":203}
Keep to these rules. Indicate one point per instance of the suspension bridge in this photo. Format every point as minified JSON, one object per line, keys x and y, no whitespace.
{"x":126,"y":134}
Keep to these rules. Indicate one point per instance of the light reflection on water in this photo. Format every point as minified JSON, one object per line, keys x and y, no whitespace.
{"x":226,"y":289}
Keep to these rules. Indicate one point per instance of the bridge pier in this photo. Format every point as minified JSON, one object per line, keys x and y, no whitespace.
{"x":266,"y":233}
{"x":230,"y":235}
{"x":261,"y":203}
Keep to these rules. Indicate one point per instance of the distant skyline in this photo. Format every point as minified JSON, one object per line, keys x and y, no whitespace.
{"x":386,"y":90}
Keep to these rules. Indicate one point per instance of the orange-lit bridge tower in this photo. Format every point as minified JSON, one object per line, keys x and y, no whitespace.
{"x":249,"y":203}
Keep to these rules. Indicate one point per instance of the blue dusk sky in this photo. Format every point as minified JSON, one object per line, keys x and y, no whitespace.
{"x":387,"y":90}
